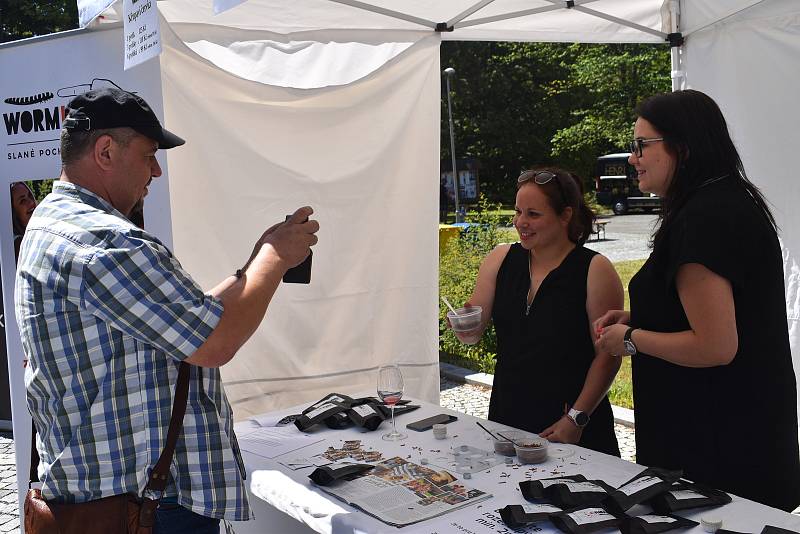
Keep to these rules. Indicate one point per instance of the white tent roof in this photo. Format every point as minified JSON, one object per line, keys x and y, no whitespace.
{"x":524,"y":20}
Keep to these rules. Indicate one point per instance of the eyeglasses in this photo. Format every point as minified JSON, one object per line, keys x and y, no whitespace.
{"x":541,"y":178}
{"x":637,"y":145}
{"x":96,"y":83}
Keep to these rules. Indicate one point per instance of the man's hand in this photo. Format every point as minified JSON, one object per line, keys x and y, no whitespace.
{"x":291,"y":240}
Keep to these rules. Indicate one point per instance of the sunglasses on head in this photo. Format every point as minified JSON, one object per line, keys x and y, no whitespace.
{"x":637,"y":145}
{"x":541,"y":178}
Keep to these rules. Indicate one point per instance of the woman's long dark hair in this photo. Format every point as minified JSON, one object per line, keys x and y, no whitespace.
{"x":580,"y":225}
{"x":695,"y":132}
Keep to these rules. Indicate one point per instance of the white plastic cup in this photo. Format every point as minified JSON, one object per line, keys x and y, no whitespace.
{"x":531,"y":451}
{"x":465,"y":324}
{"x":465,"y":319}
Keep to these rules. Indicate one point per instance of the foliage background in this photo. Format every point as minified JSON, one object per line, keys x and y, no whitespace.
{"x":20,"y":19}
{"x":517,"y":105}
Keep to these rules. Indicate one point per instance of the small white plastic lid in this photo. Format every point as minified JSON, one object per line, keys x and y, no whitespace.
{"x":711,"y":523}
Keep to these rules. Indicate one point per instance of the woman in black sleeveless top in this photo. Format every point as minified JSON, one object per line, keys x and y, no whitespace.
{"x":712,"y":365}
{"x":543,"y":294}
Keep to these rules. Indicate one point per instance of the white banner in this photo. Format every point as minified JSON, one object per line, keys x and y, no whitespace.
{"x":33,"y":104}
{"x":88,"y":10}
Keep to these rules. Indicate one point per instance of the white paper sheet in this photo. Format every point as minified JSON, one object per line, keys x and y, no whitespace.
{"x":271,"y":442}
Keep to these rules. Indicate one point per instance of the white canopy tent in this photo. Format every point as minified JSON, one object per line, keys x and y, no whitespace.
{"x":353,"y":129}
{"x":323,"y":47}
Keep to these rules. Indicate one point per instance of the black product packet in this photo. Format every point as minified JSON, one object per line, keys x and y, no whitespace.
{"x":769,"y":529}
{"x":653,"y":524}
{"x":338,"y":421}
{"x":533,"y":490}
{"x":646,"y":485}
{"x":520,"y":515}
{"x":368,"y":416}
{"x":684,"y":495}
{"x":586,"y":519}
{"x":336,"y":398}
{"x":321,"y":410}
{"x":570,"y":494}
{"x":327,"y":474}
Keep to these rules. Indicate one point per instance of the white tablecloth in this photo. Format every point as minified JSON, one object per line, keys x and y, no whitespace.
{"x":274,"y":487}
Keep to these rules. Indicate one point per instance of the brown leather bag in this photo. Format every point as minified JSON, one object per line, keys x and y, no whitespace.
{"x":122,"y":514}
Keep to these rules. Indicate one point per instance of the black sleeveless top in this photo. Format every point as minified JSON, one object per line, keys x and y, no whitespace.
{"x":733,"y":426}
{"x":544,"y":354}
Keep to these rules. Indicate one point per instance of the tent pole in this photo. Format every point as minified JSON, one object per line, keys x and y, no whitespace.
{"x":677,"y":74}
{"x":388,"y":12}
{"x":522,"y":13}
{"x":469,"y":11}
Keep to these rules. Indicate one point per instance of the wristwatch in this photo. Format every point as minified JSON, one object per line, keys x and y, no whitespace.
{"x":581,"y":419}
{"x":630,"y":346}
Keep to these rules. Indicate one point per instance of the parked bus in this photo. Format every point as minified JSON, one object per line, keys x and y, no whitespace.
{"x":617,"y":185}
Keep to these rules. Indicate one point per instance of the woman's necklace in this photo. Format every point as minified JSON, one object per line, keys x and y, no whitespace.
{"x":528,"y":299}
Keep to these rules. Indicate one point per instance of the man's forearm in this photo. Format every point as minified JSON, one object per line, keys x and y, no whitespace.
{"x":245,"y":301}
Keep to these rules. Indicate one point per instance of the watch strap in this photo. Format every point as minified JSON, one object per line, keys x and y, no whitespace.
{"x":574,"y":416}
{"x":628,"y":333}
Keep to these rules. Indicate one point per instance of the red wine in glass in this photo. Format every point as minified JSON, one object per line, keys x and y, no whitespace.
{"x":390,"y":391}
{"x":390,"y":398}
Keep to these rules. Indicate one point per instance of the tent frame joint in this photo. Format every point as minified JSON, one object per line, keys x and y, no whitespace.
{"x":443,"y":27}
{"x":570,"y":4}
{"x":675,"y":39}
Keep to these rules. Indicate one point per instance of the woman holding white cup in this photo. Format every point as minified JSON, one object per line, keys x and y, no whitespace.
{"x":543,"y":294}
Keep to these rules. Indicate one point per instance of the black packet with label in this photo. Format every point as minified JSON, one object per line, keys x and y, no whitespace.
{"x":368,"y":415}
{"x":520,"y":515}
{"x":533,"y":490}
{"x":646,"y":485}
{"x":769,"y":529}
{"x":684,"y":495}
{"x":653,"y":524}
{"x":569,"y":494}
{"x":586,"y":519}
{"x":338,"y":421}
{"x":328,"y":406}
{"x":299,"y":274}
{"x":327,"y":474}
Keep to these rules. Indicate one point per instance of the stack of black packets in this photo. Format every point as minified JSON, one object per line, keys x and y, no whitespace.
{"x":579,"y":506}
{"x":336,"y":410}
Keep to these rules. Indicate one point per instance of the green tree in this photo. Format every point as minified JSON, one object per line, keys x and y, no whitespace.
{"x":22,"y":19}
{"x":606,"y":82}
{"x":505,"y":107}
{"x":522,"y":104}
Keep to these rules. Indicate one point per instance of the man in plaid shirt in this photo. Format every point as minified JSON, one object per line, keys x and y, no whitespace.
{"x":106,"y":314}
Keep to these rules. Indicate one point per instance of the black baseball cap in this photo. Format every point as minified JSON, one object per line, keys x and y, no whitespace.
{"x":99,"y":109}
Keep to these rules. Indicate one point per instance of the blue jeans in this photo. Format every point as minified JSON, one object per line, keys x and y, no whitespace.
{"x":175,"y":519}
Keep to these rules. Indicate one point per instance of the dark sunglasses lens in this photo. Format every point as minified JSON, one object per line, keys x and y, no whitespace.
{"x":636,"y":147}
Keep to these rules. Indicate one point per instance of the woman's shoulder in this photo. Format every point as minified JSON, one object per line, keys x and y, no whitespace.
{"x":499,"y":253}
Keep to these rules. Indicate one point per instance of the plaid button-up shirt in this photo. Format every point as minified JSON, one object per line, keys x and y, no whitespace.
{"x":106,"y":313}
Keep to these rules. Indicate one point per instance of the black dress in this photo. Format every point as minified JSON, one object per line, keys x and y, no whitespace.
{"x":543,"y":356}
{"x":733,"y":427}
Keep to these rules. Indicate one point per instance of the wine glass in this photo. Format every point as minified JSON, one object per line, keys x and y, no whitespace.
{"x":390,"y":391}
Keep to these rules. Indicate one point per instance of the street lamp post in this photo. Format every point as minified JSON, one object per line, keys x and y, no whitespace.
{"x":449,"y":72}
